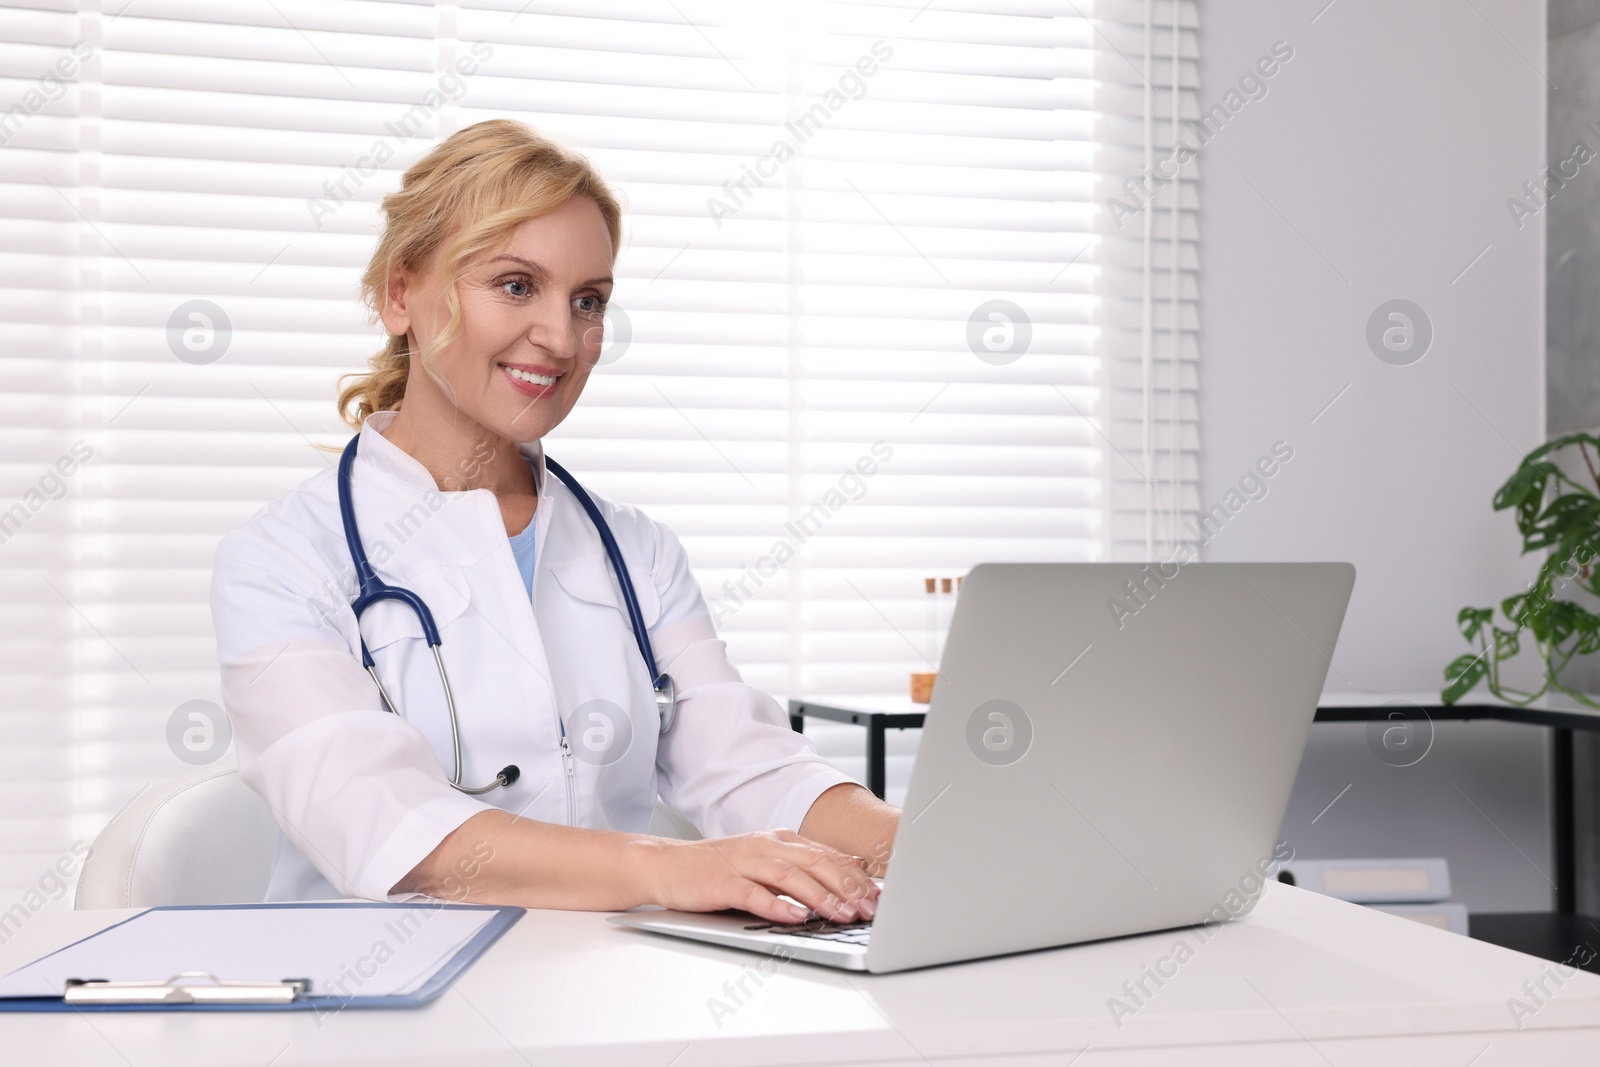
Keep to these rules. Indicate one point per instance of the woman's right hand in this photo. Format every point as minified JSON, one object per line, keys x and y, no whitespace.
{"x":750,"y":870}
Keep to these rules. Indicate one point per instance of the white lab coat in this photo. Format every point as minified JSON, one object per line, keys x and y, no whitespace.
{"x":360,"y":795}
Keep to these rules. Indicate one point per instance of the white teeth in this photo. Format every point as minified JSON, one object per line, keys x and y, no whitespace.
{"x":522,"y":375}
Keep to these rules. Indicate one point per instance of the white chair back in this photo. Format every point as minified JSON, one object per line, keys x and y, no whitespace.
{"x":203,"y":839}
{"x":208,"y":839}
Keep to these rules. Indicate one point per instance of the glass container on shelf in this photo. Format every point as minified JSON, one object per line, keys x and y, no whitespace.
{"x":940,"y":594}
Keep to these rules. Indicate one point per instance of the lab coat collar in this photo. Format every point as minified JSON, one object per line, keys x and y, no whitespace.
{"x":463,"y":531}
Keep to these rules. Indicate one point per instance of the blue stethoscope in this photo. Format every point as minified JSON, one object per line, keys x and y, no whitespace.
{"x":374,"y":589}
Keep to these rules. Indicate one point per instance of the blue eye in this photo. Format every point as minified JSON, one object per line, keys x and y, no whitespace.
{"x":596,"y":305}
{"x":516,"y":287}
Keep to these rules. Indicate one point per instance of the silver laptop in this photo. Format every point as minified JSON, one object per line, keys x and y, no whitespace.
{"x":1109,"y":750}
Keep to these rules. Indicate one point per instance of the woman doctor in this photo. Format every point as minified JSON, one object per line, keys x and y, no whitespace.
{"x":491,"y":278}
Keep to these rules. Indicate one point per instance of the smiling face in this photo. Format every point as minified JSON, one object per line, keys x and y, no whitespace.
{"x":531,"y":325}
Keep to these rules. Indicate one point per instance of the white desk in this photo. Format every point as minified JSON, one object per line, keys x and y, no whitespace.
{"x":1304,"y":979}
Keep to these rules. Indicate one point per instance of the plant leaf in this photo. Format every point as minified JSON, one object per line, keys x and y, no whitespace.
{"x":1463,"y":673}
{"x":1557,"y":444}
{"x":1471,"y":620}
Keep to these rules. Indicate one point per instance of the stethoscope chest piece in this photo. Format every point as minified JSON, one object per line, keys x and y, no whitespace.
{"x":666,"y":701}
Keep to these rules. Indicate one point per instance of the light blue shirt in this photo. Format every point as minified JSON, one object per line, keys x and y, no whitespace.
{"x":522,"y":548}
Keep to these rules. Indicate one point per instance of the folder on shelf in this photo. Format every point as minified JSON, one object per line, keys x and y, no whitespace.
{"x":254,"y":957}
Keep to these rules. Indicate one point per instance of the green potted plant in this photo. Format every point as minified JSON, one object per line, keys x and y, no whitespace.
{"x":1561,"y":517}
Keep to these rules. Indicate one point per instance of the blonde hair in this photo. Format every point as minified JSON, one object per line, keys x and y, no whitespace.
{"x":471,"y":190}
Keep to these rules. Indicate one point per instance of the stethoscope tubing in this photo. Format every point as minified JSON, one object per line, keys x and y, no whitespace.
{"x":373,"y":589}
{"x":641,"y":632}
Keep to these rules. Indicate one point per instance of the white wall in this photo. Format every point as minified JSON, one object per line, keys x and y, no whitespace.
{"x":1377,"y":167}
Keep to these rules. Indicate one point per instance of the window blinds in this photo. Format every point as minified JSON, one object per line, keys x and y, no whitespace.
{"x":1152,"y":149}
{"x":875,"y":319}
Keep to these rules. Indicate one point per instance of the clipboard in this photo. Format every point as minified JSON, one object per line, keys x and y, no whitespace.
{"x":127,"y":968}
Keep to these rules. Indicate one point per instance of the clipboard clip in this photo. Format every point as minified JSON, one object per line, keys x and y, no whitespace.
{"x":176,"y":990}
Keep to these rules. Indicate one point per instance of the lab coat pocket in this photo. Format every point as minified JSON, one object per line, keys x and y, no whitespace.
{"x":400,"y":653}
{"x":443,"y":589}
{"x":607,"y":704}
{"x":589,"y":579}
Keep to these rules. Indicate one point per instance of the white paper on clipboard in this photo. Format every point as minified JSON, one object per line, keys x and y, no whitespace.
{"x":346,"y":950}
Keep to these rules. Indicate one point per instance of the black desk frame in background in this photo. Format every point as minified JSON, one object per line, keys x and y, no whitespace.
{"x":1560,"y":723}
{"x":878,"y":723}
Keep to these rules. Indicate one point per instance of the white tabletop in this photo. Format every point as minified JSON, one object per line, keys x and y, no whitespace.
{"x":1304,"y":979}
{"x":900,"y":704}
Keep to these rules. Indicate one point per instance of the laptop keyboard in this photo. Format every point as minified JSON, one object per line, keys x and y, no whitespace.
{"x":858,"y":933}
